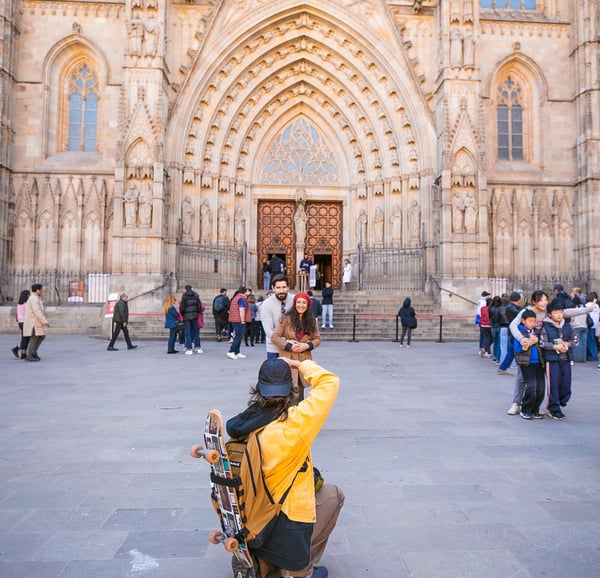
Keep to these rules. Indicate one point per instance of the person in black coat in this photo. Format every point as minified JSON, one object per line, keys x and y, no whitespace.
{"x":190,"y":308}
{"x":408,"y":319}
{"x":119,"y":323}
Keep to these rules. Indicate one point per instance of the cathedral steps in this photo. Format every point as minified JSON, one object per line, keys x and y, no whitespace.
{"x":357,"y":315}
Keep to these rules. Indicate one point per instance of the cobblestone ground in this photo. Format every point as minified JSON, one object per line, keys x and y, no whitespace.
{"x":96,"y":479}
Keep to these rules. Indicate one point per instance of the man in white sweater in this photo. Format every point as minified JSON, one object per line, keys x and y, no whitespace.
{"x":280,"y":302}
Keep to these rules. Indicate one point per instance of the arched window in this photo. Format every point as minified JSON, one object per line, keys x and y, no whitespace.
{"x":83,"y":110}
{"x":509,"y":121}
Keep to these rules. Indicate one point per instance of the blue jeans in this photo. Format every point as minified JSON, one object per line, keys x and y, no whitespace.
{"x":266,"y":281}
{"x":239,"y":331}
{"x":192,"y":333}
{"x":271,"y":355}
{"x":592,"y":349}
{"x":510,"y":354}
{"x":172,"y":338}
{"x":327,"y":315}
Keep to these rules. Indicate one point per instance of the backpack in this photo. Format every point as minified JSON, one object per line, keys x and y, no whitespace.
{"x":258,"y":510}
{"x":219,"y":304}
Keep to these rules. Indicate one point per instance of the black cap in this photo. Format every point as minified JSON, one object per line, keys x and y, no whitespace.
{"x":515,"y":296}
{"x":274,"y":378}
{"x":484,"y":294}
{"x":559,"y":287}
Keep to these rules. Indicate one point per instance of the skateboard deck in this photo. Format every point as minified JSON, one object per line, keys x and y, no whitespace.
{"x":215,"y":452}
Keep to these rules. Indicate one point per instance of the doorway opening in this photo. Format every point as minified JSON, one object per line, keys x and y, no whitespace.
{"x":323,"y":261}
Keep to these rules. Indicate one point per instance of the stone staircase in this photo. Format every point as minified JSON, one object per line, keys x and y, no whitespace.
{"x":357,"y":315}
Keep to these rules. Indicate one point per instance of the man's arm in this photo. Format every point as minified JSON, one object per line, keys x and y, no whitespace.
{"x":514,"y":326}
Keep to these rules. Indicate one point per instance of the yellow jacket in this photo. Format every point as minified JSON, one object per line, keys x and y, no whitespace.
{"x":286,"y":444}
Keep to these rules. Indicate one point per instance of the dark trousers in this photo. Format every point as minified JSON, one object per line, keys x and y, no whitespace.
{"x":117,"y":328}
{"x":239,"y":331}
{"x":192,"y":333}
{"x":408,"y":332}
{"x":34,"y":342}
{"x":24,"y":339}
{"x":533,"y":394}
{"x":172,"y":338}
{"x":220,"y":324}
{"x":486,"y":332}
{"x":559,"y":384}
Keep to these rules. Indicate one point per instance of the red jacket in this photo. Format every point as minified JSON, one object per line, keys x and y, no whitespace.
{"x":485,"y":317}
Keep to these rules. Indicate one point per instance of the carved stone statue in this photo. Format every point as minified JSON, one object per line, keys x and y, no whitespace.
{"x":456,"y":57}
{"x":186,"y":216}
{"x":470,"y":213}
{"x":414,"y":220}
{"x":378,"y":223}
{"x":396,"y":222}
{"x":205,"y":220}
{"x":222,"y":222}
{"x":136,"y":35}
{"x":130,"y":200}
{"x":151,"y":37}
{"x":457,"y":212}
{"x":238,"y":225}
{"x":145,"y":207}
{"x":300,"y":220}
{"x":361,"y":227}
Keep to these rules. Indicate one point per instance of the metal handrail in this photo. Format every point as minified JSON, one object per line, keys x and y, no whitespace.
{"x":432,"y":278}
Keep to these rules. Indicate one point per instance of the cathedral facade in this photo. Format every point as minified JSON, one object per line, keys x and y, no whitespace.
{"x":152,"y":138}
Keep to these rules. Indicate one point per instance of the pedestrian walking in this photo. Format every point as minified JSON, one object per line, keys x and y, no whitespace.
{"x":120,"y":322}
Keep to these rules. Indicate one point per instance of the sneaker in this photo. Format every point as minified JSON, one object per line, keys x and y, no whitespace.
{"x":331,"y":327}
{"x":557,"y":414}
{"x":15,"y":351}
{"x":503,"y":372}
{"x":538,"y":415}
{"x":401,"y":345}
{"x":230,"y":354}
{"x":323,"y":327}
{"x":199,"y":350}
{"x":319,"y":572}
{"x":132,"y":347}
{"x":598,"y":366}
{"x":525,"y":415}
{"x":189,"y":352}
{"x":240,"y":356}
{"x":408,"y":347}
{"x":515,"y":408}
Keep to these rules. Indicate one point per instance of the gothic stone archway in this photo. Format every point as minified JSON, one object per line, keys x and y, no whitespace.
{"x":276,"y":234}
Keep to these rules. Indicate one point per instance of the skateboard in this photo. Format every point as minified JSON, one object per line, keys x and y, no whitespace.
{"x":224,"y":497}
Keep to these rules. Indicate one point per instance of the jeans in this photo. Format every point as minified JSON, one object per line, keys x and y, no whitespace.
{"x":328,"y":315}
{"x":172,"y":338}
{"x":510,"y":354}
{"x":408,"y":332}
{"x":192,"y":333}
{"x":266,"y":282}
{"x":592,"y":348}
{"x":239,"y":330}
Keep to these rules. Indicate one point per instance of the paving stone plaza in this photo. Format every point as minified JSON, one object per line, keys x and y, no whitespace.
{"x":96,"y":478}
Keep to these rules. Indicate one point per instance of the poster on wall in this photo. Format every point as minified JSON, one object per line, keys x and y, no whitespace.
{"x":75,"y":291}
{"x":110,"y":304}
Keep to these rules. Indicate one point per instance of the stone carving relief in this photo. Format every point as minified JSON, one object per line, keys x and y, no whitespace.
{"x":222,"y":222}
{"x":396,"y":223}
{"x":414,"y":221}
{"x":361,"y":227}
{"x":145,"y":206}
{"x":378,"y":225}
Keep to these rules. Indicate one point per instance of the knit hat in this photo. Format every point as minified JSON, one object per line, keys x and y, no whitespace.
{"x":274,"y":378}
{"x":304,"y":296}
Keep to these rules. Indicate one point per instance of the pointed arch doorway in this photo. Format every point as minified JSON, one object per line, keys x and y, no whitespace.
{"x":276,"y":235}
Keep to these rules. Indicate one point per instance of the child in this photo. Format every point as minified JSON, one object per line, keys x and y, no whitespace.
{"x":557,"y":338}
{"x":529,"y":357}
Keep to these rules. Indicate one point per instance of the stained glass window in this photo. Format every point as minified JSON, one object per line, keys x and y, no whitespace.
{"x":83,"y":110}
{"x":509,"y":121}
{"x":300,"y":155}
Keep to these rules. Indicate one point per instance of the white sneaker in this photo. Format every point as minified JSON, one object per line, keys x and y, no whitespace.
{"x":240,"y":356}
{"x":331,"y":327}
{"x":515,"y":409}
{"x":189,"y":352}
{"x":322,"y":326}
{"x":199,"y":350}
{"x":231,"y":355}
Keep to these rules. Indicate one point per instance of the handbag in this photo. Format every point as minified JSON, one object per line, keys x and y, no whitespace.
{"x":589,"y":321}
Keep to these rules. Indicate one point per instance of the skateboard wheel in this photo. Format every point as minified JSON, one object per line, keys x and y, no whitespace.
{"x":215,"y":537}
{"x":212,"y":456}
{"x":196,"y":451}
{"x":231,"y":544}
